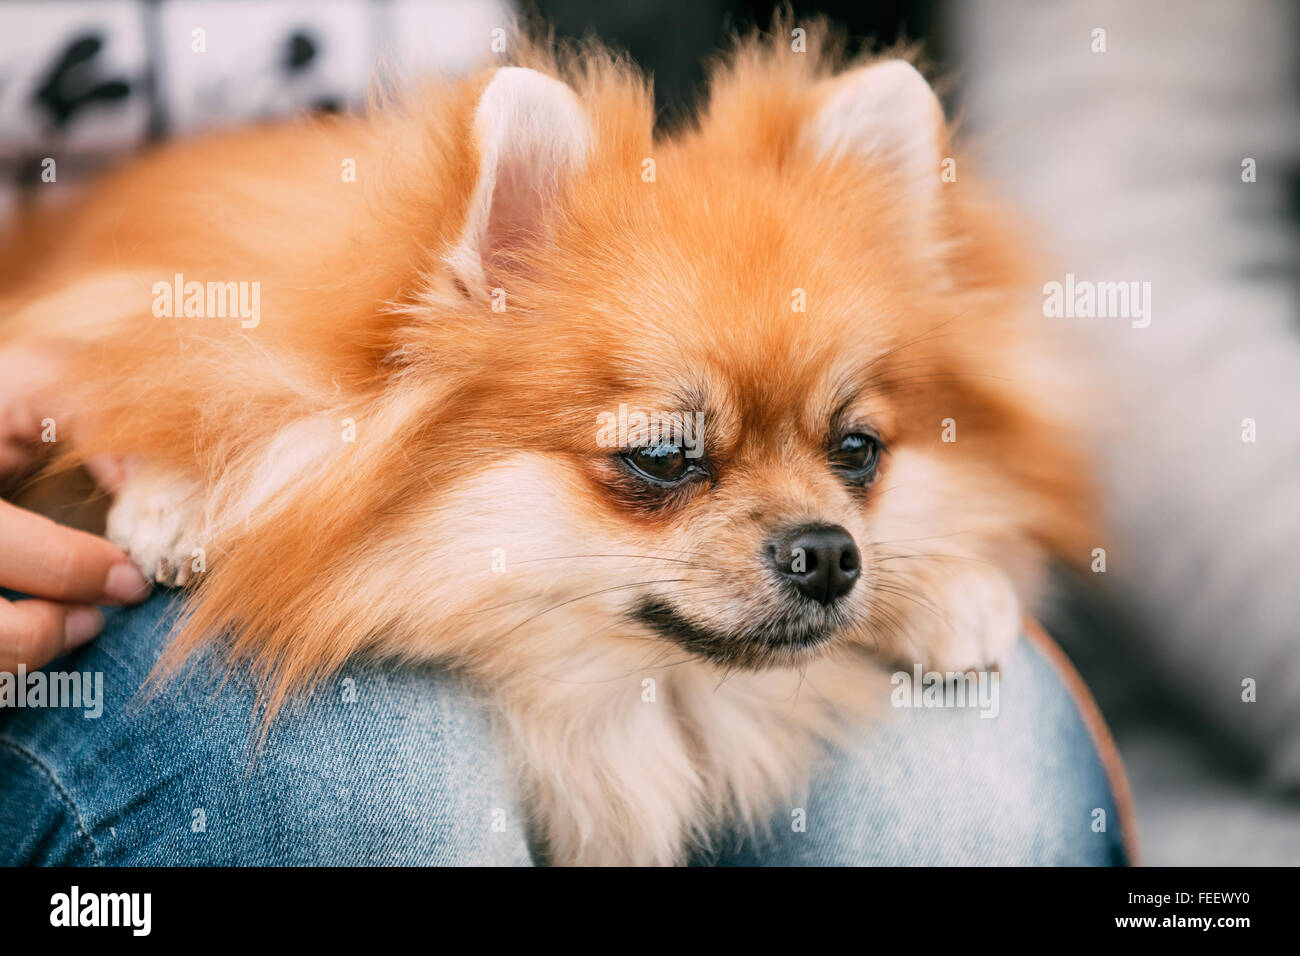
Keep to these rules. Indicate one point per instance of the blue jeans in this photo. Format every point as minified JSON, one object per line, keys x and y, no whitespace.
{"x":395,"y":765}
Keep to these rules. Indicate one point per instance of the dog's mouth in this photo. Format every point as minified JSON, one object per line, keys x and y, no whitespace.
{"x":776,"y":641}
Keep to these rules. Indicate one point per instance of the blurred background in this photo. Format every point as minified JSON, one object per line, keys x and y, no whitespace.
{"x":1155,"y":142}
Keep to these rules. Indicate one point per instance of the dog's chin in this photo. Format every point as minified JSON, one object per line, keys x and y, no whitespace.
{"x":773,"y":643}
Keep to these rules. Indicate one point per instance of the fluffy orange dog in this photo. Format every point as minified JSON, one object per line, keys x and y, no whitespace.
{"x":654,"y":437}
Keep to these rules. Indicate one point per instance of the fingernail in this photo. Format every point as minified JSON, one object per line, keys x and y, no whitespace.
{"x":81,"y":624}
{"x":125,"y":583}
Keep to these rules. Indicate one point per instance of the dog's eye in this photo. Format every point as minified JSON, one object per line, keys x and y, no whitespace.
{"x":664,"y":464}
{"x":856,"y":457}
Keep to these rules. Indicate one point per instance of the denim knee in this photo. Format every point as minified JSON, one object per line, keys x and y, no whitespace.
{"x":958,"y":786}
{"x":379,"y":765}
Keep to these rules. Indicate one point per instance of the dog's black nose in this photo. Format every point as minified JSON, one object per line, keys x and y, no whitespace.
{"x":821,"y":560}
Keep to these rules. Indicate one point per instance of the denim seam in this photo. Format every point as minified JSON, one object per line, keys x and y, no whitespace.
{"x":59,"y":788}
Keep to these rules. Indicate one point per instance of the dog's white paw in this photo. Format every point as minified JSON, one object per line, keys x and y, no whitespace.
{"x":981,"y":620}
{"x":155,"y":518}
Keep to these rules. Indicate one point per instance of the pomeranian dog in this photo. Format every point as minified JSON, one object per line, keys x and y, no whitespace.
{"x":667,"y":442}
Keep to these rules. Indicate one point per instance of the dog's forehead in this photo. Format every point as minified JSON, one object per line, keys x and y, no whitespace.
{"x":758,"y":330}
{"x":756,"y":382}
{"x":738,"y":293}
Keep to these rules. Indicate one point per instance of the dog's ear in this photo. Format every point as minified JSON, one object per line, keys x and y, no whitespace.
{"x":532,"y":134}
{"x":887,"y":114}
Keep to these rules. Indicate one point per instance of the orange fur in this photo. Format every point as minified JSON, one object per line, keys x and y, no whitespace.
{"x":475,"y":430}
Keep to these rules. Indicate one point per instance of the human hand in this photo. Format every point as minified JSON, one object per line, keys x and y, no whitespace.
{"x":66,"y":572}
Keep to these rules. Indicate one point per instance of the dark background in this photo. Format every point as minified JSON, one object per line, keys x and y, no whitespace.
{"x":673,"y":39}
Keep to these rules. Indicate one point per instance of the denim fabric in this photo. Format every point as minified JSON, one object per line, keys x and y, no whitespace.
{"x":949,"y":787}
{"x":396,"y":765}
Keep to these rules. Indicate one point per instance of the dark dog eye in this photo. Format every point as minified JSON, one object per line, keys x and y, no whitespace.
{"x":856,"y":457}
{"x":664,"y":464}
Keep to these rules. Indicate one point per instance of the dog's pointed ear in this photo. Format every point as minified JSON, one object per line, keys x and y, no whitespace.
{"x":532,"y":134}
{"x":887,"y":114}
